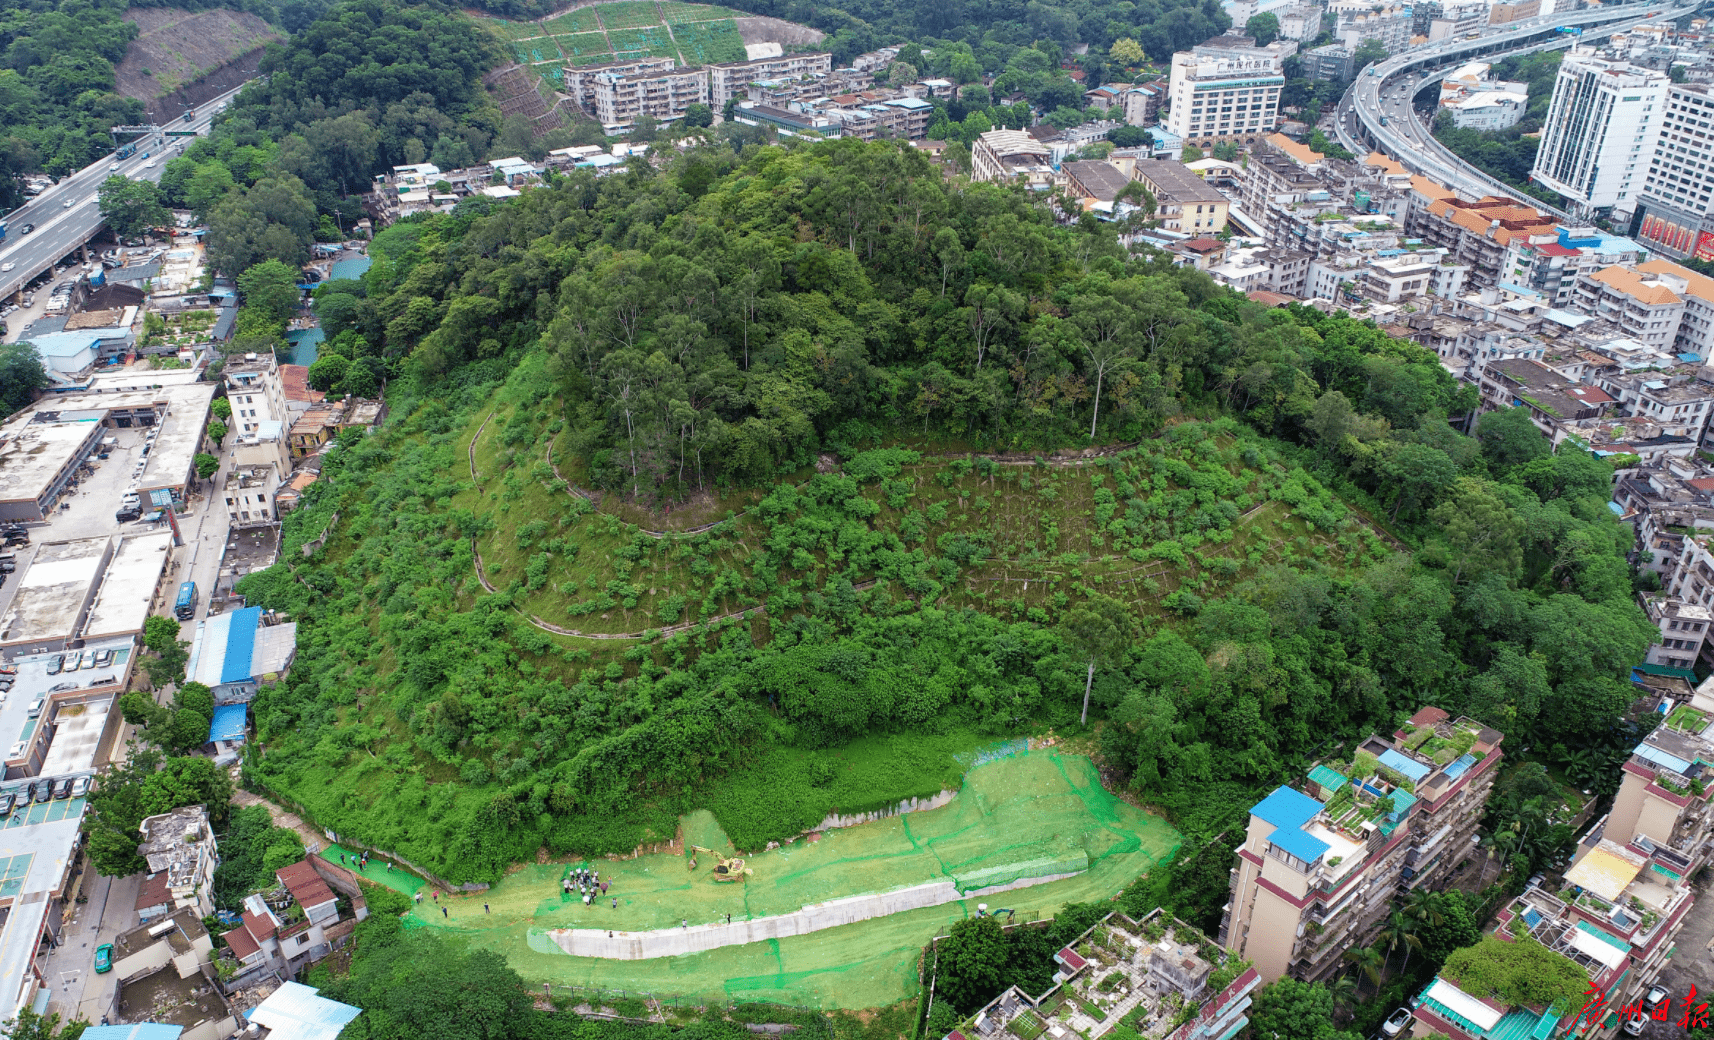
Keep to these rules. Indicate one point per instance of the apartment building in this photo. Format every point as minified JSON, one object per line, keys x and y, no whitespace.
{"x":1225,"y":90}
{"x":1600,"y":133}
{"x":1142,"y":103}
{"x":1623,"y":901}
{"x":579,"y":80}
{"x":255,"y":392}
{"x":1646,"y":305}
{"x":1011,"y":157}
{"x":1677,"y":201}
{"x":1487,"y":234}
{"x":1319,"y":867}
{"x":731,"y":79}
{"x":1184,"y":202}
{"x":1411,"y":276}
{"x":1615,"y":918}
{"x":621,"y":100}
{"x":1684,"y":631}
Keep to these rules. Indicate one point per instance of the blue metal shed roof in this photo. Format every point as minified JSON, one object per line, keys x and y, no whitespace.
{"x":228,"y":722}
{"x":1460,"y":766}
{"x":1408,"y":767}
{"x":140,"y":1031}
{"x":1303,"y":846}
{"x":1287,"y":808}
{"x":1661,"y":758}
{"x":240,"y":644}
{"x":350,"y":267}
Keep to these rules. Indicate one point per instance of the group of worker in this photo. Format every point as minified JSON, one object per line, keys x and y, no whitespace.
{"x":588,"y":884}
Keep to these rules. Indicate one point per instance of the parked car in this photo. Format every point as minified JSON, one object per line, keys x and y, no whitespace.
{"x":26,"y":794}
{"x":44,"y":791}
{"x":103,"y":958}
{"x":7,"y":800}
{"x":1396,"y":1022}
{"x":56,"y":664}
{"x":5,"y":684}
{"x":1657,"y":995}
{"x":86,"y":659}
{"x":103,"y":658}
{"x":62,"y":789}
{"x":64,"y":686}
{"x":80,"y":787}
{"x":8,"y":669}
{"x":40,"y":703}
{"x":1634,"y":1026}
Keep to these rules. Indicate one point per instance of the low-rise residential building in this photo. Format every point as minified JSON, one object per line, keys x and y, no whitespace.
{"x":1011,"y":157}
{"x":579,"y":80}
{"x":286,"y":932}
{"x":1093,"y":179}
{"x":1551,"y":398}
{"x":180,"y":846}
{"x":254,"y":391}
{"x":1488,"y":110}
{"x":1157,"y":977}
{"x":1319,"y":867}
{"x":1184,"y":202}
{"x":622,"y":99}
{"x":1684,"y":631}
{"x":730,"y":79}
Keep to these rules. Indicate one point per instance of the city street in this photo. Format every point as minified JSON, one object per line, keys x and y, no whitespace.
{"x":110,"y":906}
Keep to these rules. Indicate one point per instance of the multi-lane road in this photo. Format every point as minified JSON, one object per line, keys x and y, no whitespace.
{"x":1386,"y":89}
{"x":67,"y":215}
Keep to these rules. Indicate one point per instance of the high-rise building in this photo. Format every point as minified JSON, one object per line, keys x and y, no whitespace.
{"x":1359,"y":21}
{"x":1227,"y":89}
{"x":1320,"y":867}
{"x":1674,"y":212}
{"x":1600,"y":133}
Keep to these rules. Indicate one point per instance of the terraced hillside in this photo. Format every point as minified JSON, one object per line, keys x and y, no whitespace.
{"x":691,"y":34}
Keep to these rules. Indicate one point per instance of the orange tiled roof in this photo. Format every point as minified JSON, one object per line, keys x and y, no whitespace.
{"x":1701,"y":286}
{"x":294,"y":381}
{"x":1629,"y":282}
{"x":1429,"y":189}
{"x":1301,"y":152}
{"x":1387,"y":164}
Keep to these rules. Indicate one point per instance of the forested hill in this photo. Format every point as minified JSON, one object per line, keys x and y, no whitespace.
{"x":1282,"y":544}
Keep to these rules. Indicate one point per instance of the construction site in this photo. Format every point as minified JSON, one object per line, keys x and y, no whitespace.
{"x":833,"y":919}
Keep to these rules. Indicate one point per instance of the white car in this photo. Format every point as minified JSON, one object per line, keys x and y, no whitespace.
{"x":1396,"y":1022}
{"x":7,"y":266}
{"x":149,"y":165}
{"x":69,"y":203}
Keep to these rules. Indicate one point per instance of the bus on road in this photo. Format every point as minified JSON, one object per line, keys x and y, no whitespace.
{"x":185,"y":608}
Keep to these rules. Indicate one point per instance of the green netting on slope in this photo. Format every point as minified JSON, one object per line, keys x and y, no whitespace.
{"x":1024,"y":814}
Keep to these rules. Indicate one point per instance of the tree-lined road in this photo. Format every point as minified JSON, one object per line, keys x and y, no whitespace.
{"x":66,"y":215}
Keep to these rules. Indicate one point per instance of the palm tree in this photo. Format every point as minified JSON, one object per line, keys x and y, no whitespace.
{"x":1423,"y":907}
{"x":1369,"y":961}
{"x":1395,"y":933}
{"x":1344,"y":992}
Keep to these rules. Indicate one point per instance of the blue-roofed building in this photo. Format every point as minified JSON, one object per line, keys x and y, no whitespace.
{"x":299,"y":1012}
{"x":235,"y":652}
{"x":140,"y":1031}
{"x":1316,"y":875}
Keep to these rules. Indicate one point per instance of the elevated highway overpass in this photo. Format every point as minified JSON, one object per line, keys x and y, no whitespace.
{"x":1377,"y":112}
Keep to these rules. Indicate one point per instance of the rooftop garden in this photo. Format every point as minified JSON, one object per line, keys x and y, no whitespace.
{"x":184,"y":329}
{"x":1517,"y":973}
{"x":1440,"y":744}
{"x":1685,"y":719}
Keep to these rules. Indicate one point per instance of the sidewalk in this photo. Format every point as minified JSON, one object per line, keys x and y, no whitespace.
{"x":70,"y":968}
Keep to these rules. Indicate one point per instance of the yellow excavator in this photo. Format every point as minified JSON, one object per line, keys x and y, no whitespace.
{"x":724,"y":869}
